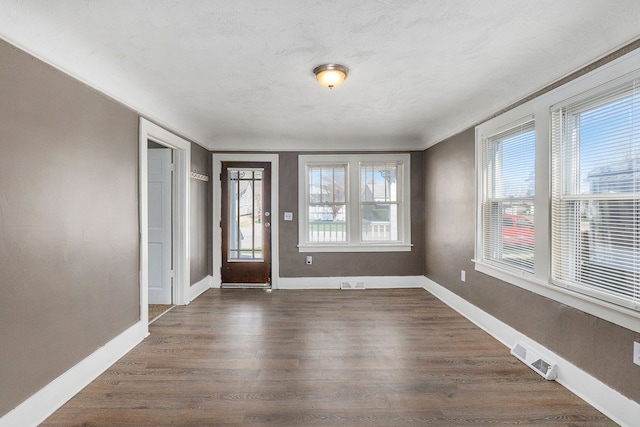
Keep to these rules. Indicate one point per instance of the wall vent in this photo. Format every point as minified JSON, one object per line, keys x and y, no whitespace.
{"x":534,"y":361}
{"x":352,"y":285}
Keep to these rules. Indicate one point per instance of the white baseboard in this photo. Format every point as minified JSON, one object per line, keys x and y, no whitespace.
{"x":610,"y":402}
{"x":198,"y":288}
{"x":370,"y":282}
{"x":46,"y":401}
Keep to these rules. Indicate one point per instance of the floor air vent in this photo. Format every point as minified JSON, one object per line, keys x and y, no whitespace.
{"x":534,"y":361}
{"x":352,"y":285}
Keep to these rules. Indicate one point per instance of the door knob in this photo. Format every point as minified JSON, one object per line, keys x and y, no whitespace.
{"x":267,"y":224}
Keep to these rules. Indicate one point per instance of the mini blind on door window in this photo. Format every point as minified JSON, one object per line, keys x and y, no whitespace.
{"x":596,"y":195}
{"x":508,"y":211}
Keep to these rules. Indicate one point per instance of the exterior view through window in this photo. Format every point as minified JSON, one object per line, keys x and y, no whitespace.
{"x":327,"y":203}
{"x":379,"y":200}
{"x":245,"y":214}
{"x":558,"y":194}
{"x":354,"y":202}
{"x":508,"y":209}
{"x":596,"y":193}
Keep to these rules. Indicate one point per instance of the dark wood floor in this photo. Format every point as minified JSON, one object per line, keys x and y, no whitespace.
{"x":320,"y":358}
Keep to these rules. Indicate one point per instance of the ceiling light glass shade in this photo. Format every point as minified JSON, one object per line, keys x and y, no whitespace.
{"x":331,"y":75}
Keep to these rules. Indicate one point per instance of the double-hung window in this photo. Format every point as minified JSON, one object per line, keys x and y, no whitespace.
{"x":596,"y":193}
{"x":327,"y":208}
{"x":354,"y":203}
{"x":508,"y":212}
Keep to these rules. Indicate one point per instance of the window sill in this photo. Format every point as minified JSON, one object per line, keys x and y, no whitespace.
{"x":613,"y":313}
{"x":356,"y":248}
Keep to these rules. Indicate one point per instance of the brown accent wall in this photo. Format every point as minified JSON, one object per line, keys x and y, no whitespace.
{"x":68,"y":223}
{"x":292,"y":262}
{"x":201,"y":211}
{"x":600,"y":348}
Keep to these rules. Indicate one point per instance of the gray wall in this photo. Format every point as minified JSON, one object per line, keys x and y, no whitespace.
{"x":201,"y":211}
{"x":598,"y":347}
{"x":69,"y":237}
{"x":68,"y":223}
{"x":292,"y":262}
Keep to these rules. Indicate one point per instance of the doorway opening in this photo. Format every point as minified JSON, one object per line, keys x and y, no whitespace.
{"x":164,"y":219}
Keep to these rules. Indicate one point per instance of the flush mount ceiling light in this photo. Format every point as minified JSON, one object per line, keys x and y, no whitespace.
{"x":331,"y":75}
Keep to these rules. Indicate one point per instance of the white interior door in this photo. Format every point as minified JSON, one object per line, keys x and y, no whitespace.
{"x":160,"y":229}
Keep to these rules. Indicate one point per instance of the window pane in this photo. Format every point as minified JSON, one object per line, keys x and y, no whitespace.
{"x":327,"y":198}
{"x":245,"y":221}
{"x":508,"y":233}
{"x":327,"y":183}
{"x":596,"y":244}
{"x":379,"y":222}
{"x":604,"y":147}
{"x":511,"y":168}
{"x":327,"y":223}
{"x":379,"y":182}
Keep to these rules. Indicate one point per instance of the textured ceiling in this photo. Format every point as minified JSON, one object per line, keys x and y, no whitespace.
{"x":237,"y":74}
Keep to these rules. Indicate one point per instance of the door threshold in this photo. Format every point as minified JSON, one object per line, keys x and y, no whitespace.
{"x":158,"y":310}
{"x":246,"y":285}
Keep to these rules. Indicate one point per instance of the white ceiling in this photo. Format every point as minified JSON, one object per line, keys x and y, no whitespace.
{"x":237,"y":74}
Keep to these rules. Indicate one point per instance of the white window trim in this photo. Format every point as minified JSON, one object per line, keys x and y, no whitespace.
{"x":353,"y":202}
{"x":482,"y":134}
{"x":539,"y":281}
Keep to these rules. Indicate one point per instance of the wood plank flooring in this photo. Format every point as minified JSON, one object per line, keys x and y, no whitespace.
{"x":320,"y":358}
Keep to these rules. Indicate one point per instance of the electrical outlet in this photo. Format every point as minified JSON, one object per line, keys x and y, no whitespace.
{"x":309,"y":260}
{"x":463,"y":275}
{"x":636,"y":352}
{"x":288,"y":216}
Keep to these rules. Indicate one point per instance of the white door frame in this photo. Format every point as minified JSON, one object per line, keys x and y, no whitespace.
{"x":218,"y":158}
{"x":182,"y":162}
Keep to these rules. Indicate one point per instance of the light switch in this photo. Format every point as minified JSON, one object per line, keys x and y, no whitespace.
{"x":288,"y":216}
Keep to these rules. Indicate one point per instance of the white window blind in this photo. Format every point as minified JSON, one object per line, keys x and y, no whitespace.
{"x":508,"y":206}
{"x":596,"y":195}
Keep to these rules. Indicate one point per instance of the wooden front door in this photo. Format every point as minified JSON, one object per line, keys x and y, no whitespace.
{"x":246,"y":223}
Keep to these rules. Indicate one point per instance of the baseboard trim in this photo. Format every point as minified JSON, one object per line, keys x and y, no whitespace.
{"x":370,"y":282}
{"x":47,"y":400}
{"x":610,"y":402}
{"x":198,"y":288}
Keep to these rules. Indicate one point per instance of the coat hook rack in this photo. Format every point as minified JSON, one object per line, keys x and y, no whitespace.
{"x":199,"y":176}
